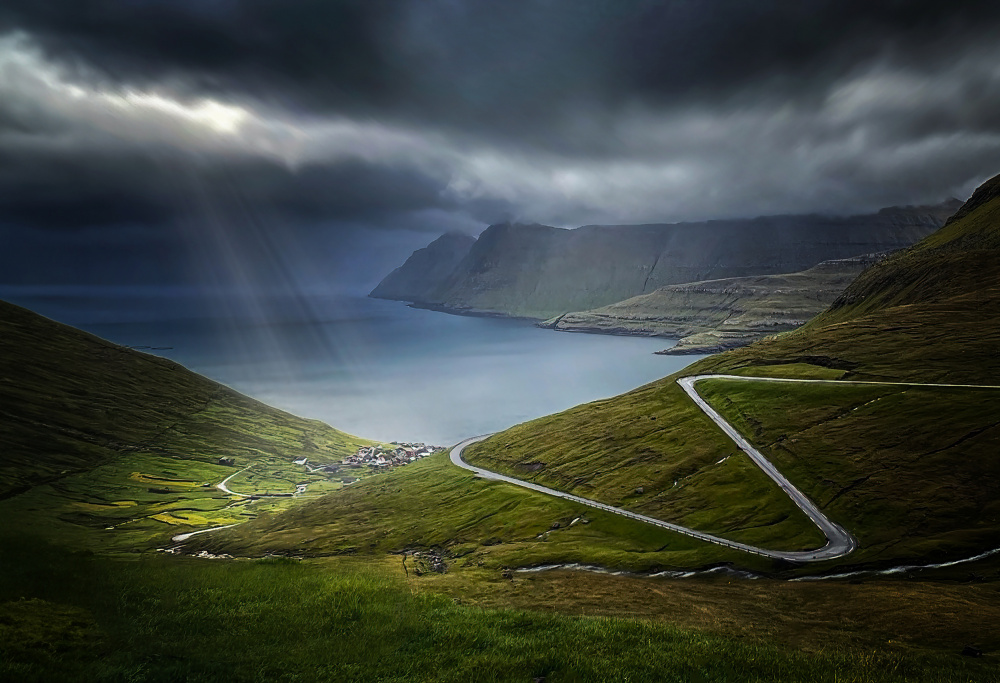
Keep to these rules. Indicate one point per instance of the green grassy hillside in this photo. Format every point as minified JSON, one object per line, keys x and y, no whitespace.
{"x":432,"y":506}
{"x":109,"y":446}
{"x":652,"y":451}
{"x":914,"y":492}
{"x":930,"y":313}
{"x":112,"y":451}
{"x":109,"y":449}
{"x":910,"y":471}
{"x":912,"y":481}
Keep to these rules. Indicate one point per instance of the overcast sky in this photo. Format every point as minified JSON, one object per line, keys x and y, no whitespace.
{"x":157,"y":140}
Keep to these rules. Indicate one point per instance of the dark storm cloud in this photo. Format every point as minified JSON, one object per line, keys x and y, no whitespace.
{"x":68,"y":193}
{"x":306,"y":44}
{"x":677,"y":47}
{"x":58,"y":191}
{"x":511,"y":66}
{"x":563,"y":111}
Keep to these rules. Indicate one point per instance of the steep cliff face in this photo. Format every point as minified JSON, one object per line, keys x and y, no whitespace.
{"x":539,"y":272}
{"x":426,"y":269}
{"x":717,"y":314}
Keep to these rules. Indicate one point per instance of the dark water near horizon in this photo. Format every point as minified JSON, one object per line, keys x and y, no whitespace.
{"x":377,"y":369}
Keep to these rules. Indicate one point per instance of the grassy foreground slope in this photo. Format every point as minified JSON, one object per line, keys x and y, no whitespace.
{"x":95,"y":435}
{"x":71,"y":617}
{"x":911,"y":471}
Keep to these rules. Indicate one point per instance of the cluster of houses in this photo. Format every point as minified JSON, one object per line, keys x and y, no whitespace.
{"x":390,"y":456}
{"x":377,"y":457}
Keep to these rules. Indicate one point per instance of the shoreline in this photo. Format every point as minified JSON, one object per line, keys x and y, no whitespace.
{"x":540,"y":323}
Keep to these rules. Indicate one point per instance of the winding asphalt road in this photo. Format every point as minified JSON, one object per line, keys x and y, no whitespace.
{"x":839,"y":541}
{"x":224,"y":484}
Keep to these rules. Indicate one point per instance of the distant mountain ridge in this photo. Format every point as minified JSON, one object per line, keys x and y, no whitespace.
{"x":538,"y":271}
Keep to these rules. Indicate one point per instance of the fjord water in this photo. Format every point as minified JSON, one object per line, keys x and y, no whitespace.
{"x":377,"y":369}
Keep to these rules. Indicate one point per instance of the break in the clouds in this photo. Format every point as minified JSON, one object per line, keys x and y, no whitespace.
{"x":441,"y":113}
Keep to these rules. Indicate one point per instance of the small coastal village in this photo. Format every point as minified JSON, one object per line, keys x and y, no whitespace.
{"x":378,"y":457}
{"x":383,"y":457}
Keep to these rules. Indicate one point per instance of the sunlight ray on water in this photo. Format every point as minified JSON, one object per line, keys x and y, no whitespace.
{"x":378,"y":369}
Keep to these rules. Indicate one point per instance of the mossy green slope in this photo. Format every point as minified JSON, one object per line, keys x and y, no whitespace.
{"x":653,"y":451}
{"x":929,"y":314}
{"x":912,"y":472}
{"x":469,"y":521}
{"x":96,"y":435}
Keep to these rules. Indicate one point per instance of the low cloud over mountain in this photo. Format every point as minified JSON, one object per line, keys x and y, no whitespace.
{"x":434,"y":115}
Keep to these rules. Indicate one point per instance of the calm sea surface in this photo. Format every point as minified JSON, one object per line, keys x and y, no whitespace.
{"x":378,"y":369}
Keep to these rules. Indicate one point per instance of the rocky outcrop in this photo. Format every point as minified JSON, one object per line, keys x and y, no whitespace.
{"x":715,"y":315}
{"x":426,"y":269}
{"x":539,"y":271}
{"x":983,"y":195}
